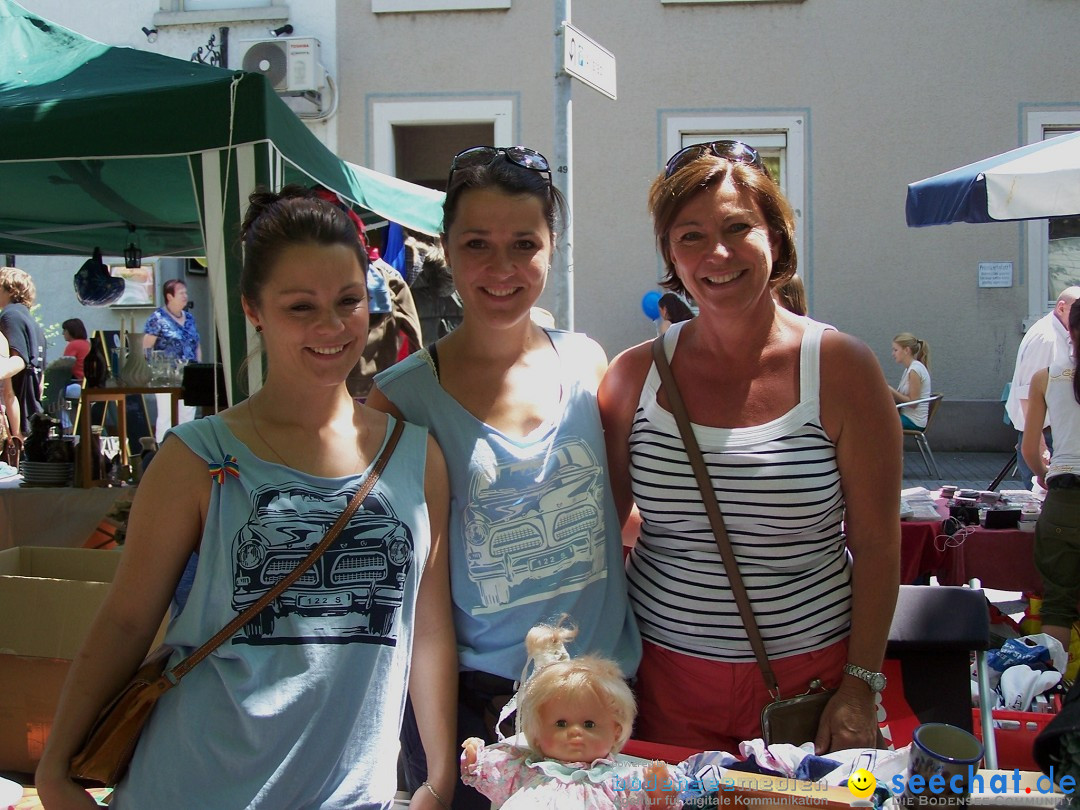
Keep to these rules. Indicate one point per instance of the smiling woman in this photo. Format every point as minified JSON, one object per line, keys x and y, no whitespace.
{"x":533,"y":530}
{"x":247,"y":494}
{"x":797,"y":429}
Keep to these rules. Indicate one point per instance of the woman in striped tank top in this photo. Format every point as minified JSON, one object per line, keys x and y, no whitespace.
{"x":800,"y":435}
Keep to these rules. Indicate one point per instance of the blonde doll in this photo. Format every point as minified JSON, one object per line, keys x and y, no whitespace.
{"x":574,"y":715}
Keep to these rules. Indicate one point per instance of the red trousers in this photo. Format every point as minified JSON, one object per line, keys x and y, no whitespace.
{"x":712,"y":705}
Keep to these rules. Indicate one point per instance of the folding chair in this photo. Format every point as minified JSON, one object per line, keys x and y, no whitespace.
{"x":920,"y":435}
{"x":934,"y":630}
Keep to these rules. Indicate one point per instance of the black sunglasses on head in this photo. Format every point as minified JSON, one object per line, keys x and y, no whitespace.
{"x":484,"y":155}
{"x":735,"y":151}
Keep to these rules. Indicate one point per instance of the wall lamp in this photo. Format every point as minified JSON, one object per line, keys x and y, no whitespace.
{"x":283,"y":30}
{"x":151,"y":34}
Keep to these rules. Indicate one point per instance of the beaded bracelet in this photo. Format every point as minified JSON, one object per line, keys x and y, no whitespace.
{"x":438,"y":798}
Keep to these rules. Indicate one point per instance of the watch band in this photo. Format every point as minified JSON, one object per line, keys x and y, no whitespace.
{"x":875,"y":680}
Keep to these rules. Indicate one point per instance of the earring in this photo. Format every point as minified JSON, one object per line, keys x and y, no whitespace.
{"x":258,"y":328}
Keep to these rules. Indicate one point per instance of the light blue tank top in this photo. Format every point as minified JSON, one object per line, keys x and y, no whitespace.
{"x":533,"y":529}
{"x":302,"y":708}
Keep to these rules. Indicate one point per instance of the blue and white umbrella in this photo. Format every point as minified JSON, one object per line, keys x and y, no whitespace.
{"x":1036,"y":181}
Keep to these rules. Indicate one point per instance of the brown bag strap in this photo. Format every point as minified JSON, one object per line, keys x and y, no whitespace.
{"x":712,"y":509}
{"x":184,"y":667}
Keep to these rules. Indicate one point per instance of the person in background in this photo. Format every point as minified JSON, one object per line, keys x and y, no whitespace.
{"x":77,"y":345}
{"x":301,"y":710}
{"x":171,"y":329}
{"x":803,"y":447}
{"x":1046,"y":342}
{"x":533,"y":529}
{"x":22,"y":350}
{"x":791,"y":295}
{"x":1054,"y":395}
{"x":673,"y":309}
{"x":914,"y":355}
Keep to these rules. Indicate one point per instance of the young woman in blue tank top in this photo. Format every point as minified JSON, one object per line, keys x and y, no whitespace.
{"x":301,"y":708}
{"x":533,"y":531}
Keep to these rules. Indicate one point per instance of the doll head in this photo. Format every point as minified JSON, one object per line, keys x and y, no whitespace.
{"x":573,"y":710}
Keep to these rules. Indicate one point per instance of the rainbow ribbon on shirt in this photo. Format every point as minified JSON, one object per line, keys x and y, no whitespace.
{"x":228,"y":466}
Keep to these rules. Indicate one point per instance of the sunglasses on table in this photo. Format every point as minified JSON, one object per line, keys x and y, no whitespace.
{"x":484,"y":155}
{"x":735,"y":151}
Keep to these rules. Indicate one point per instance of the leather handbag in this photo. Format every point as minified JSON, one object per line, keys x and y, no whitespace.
{"x":794,"y":720}
{"x":106,"y":752}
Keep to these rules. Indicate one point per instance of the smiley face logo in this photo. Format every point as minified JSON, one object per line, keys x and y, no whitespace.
{"x":861,"y":783}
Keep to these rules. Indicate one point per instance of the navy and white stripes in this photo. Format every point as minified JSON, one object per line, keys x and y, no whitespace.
{"x":779,"y":492}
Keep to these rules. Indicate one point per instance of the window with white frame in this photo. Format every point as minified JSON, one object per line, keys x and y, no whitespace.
{"x":398,"y":6}
{"x":1053,"y":246}
{"x":778,"y":138}
{"x":214,"y":5}
{"x":386,"y":115}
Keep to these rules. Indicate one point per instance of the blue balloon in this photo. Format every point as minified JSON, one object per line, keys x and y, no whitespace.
{"x":650,"y":305}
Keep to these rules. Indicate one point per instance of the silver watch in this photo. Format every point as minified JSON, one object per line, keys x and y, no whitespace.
{"x":875,"y":680}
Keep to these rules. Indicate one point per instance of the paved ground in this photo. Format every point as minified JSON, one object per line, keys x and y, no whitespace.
{"x":964,"y":470}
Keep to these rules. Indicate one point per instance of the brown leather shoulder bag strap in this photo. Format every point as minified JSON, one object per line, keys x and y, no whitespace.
{"x":184,"y":667}
{"x":712,"y":509}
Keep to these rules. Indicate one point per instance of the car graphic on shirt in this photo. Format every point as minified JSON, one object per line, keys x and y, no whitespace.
{"x":538,"y":519}
{"x":353,"y":591}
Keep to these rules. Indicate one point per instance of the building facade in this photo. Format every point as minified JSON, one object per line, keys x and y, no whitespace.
{"x":849,"y":99}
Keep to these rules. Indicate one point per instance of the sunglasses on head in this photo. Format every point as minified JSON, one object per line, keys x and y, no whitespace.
{"x":484,"y":155}
{"x":735,"y":151}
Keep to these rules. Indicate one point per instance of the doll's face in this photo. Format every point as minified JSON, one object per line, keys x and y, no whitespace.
{"x":576,"y":728}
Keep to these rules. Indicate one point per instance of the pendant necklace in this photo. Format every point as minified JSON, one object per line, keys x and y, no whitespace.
{"x":255,"y":427}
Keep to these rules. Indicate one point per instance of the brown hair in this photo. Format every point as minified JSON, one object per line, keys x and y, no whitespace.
{"x":668,"y":195}
{"x":18,"y":284}
{"x":74,"y":327}
{"x":792,"y":295}
{"x":920,"y":349}
{"x":506,"y":176}
{"x":294,"y":215}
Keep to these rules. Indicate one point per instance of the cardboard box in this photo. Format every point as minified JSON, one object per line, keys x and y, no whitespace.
{"x":48,"y":599}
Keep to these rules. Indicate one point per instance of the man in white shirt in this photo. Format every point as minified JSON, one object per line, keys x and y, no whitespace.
{"x":1046,"y":341}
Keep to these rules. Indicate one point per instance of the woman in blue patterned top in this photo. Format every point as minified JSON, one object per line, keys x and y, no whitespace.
{"x":171,"y":329}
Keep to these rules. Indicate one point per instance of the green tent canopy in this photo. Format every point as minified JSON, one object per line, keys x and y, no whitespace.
{"x":97,"y":140}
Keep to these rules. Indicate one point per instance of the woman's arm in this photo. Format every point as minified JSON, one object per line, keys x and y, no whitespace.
{"x":164,"y":528}
{"x":861,"y":421}
{"x":1032,"y":444}
{"x":433,"y":678}
{"x":618,"y":396}
{"x":914,"y":388}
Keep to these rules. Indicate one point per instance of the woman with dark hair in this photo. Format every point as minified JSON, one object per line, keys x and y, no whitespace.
{"x":1056,"y":391}
{"x":803,"y":447}
{"x":672,"y":310}
{"x":301,"y":708}
{"x":171,"y":329}
{"x":77,"y":346}
{"x":533,"y":529}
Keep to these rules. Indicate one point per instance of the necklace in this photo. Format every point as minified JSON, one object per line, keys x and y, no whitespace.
{"x":255,"y":427}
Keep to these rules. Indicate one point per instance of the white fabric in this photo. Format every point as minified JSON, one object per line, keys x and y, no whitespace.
{"x":1063,"y":413}
{"x":184,"y":413}
{"x":1046,"y":342}
{"x":1045,"y":183}
{"x":921,"y":412}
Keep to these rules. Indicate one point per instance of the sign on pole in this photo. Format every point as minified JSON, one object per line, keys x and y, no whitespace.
{"x":587,"y":60}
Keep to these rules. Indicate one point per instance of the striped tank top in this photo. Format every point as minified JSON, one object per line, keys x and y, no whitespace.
{"x":778,"y":486}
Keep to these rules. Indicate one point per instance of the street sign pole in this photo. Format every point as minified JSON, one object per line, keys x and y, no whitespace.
{"x":561,"y":276}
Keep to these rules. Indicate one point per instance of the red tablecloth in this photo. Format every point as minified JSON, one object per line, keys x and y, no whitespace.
{"x":1001,"y":559}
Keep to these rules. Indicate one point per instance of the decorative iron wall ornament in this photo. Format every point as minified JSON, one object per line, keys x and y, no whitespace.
{"x":211,"y":54}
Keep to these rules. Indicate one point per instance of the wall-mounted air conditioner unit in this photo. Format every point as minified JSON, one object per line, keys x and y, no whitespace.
{"x":291,"y":64}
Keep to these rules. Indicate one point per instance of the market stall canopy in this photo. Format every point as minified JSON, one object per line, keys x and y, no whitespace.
{"x":1036,"y":181}
{"x":96,"y":140}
